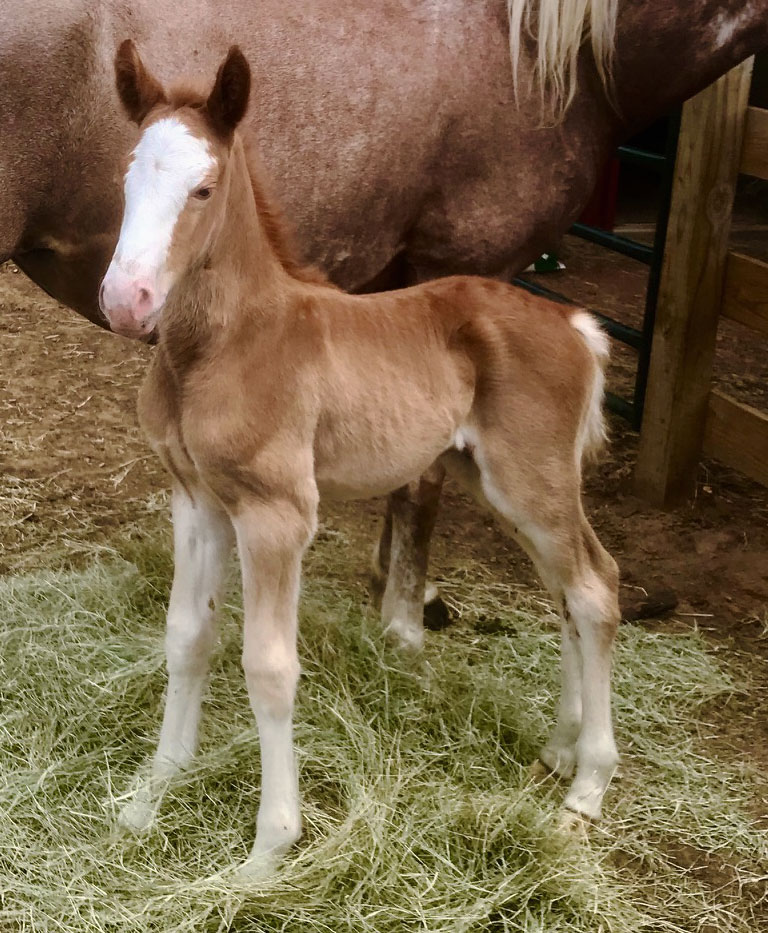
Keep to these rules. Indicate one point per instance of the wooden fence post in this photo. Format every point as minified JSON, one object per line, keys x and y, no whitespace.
{"x":708,"y":155}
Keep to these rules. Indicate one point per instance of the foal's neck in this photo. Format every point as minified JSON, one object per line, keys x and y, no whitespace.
{"x":241,"y":255}
{"x":240,"y":282}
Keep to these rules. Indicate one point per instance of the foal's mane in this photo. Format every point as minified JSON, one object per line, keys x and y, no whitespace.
{"x":276,"y":228}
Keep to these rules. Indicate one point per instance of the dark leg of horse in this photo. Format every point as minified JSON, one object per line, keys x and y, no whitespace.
{"x":402,"y":556}
{"x":380,"y":559}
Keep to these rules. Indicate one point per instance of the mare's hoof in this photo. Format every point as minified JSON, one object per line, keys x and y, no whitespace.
{"x":437,"y":615}
{"x":653,"y":605}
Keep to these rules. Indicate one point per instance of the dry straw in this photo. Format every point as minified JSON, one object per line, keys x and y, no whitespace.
{"x":419,"y":812}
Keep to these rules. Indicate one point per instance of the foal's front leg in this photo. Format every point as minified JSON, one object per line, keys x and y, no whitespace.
{"x":203,"y":539}
{"x":271,"y":539}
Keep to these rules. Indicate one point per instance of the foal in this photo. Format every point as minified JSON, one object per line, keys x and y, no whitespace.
{"x":269,"y":387}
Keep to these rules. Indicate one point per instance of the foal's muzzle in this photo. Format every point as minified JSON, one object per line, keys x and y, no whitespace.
{"x":130,"y":305}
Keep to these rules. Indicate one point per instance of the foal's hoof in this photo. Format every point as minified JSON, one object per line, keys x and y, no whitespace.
{"x":138,"y":815}
{"x":258,"y":868}
{"x":559,"y":759}
{"x":574,"y":825}
{"x":261,"y":865}
{"x":437,"y":615}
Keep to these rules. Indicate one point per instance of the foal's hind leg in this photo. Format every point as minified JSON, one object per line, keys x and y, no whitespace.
{"x":203,"y":539}
{"x":412,"y":513}
{"x":591,"y":609}
{"x":583,"y":580}
{"x":559,"y":754}
{"x":546,"y":517}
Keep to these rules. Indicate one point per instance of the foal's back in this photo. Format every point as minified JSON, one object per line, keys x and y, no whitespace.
{"x":456,"y":340}
{"x":396,"y":375}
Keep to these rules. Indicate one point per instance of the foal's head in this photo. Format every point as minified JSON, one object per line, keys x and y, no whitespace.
{"x":175,"y":186}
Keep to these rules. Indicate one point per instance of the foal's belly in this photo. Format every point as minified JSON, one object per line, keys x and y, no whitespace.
{"x":364,"y":464}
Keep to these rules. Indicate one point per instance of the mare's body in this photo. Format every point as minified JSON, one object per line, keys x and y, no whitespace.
{"x":270,"y":387}
{"x":389,"y":130}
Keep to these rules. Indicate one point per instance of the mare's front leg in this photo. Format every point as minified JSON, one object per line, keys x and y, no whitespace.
{"x":271,"y":539}
{"x":203,"y":539}
{"x":403,"y":556}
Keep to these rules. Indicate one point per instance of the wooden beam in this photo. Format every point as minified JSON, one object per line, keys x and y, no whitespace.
{"x":737,"y":435}
{"x":745,"y":292}
{"x":707,"y":166}
{"x":754,"y":153}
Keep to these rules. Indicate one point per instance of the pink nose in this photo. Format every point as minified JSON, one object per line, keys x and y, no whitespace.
{"x":129,"y":306}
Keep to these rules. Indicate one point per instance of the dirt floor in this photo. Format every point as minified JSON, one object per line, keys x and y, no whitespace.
{"x":76,"y":469}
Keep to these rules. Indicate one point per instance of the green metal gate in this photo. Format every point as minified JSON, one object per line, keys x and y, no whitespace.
{"x":663,"y":164}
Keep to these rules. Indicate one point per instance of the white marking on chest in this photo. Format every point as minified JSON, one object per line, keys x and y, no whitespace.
{"x":168,"y":163}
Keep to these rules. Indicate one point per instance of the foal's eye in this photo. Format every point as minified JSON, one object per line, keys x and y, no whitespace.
{"x":202,"y":194}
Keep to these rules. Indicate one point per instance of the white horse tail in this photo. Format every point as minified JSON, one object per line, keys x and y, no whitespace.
{"x":592,"y":433}
{"x":560,"y":28}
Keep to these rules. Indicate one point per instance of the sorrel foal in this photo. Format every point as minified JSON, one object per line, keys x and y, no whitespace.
{"x":270,"y":387}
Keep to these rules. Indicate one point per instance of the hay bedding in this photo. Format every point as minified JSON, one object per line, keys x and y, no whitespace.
{"x":419,"y":814}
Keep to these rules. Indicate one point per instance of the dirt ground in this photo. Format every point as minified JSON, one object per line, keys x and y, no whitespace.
{"x":76,"y":469}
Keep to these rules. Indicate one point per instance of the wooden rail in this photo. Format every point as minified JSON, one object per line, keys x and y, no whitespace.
{"x":754,"y":154}
{"x":745,"y":291}
{"x":701,"y":281}
{"x":737,"y":434}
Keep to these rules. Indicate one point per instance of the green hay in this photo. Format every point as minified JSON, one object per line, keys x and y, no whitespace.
{"x":419,"y":814}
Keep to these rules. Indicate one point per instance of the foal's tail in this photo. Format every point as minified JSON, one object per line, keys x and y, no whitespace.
{"x":592,"y":434}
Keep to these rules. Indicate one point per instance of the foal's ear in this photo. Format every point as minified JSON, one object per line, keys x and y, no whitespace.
{"x":139,"y":91}
{"x":228,"y":100}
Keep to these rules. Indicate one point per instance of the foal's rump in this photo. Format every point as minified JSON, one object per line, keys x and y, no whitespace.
{"x":538,"y":366}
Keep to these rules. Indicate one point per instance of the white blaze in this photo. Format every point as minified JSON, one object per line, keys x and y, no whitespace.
{"x":168,"y":163}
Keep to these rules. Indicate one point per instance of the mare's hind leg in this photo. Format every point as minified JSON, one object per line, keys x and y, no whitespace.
{"x":203,"y":539}
{"x":405,"y":549}
{"x":380,"y":560}
{"x":544,"y":514}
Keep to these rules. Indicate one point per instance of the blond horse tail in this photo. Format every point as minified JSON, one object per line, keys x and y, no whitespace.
{"x":560,"y":28}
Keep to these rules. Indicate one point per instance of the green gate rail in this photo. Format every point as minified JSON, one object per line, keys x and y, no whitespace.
{"x":653,"y":256}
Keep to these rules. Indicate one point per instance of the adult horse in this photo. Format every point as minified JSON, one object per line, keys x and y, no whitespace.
{"x":396,"y":134}
{"x":391,"y":129}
